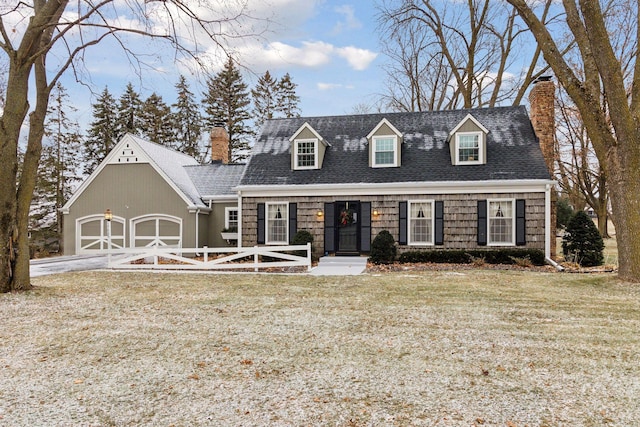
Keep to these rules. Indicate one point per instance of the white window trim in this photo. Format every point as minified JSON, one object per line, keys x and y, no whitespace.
{"x":227,"y":210}
{"x":513,"y":223}
{"x":395,"y":151}
{"x":266,"y":224}
{"x":315,"y":154}
{"x":433,"y":223}
{"x":480,"y":149}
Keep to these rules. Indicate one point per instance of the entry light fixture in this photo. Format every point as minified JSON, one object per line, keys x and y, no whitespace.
{"x":376,"y":212}
{"x":108,"y":215}
{"x":319,"y":214}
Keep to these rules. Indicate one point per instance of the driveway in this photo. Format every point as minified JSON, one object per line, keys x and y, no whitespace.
{"x":62,"y":264}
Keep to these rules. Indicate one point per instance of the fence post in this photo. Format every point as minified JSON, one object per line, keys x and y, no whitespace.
{"x":255,"y":258}
{"x":206,"y":253}
{"x":308,"y":256}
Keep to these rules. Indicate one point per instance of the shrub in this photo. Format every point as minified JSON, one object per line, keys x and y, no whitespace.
{"x":302,"y":237}
{"x":383,"y":248}
{"x":475,"y":256}
{"x":564,"y":212}
{"x":582,"y":242}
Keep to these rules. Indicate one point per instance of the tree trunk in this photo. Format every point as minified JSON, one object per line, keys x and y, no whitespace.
{"x":625,"y":202}
{"x":10,"y":124}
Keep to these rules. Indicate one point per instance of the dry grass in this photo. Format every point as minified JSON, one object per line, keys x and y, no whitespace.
{"x":476,"y":347}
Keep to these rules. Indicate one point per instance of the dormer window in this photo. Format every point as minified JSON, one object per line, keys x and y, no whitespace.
{"x":385,"y":153}
{"x":384,"y":145}
{"x":307,"y":148}
{"x":468,"y":147}
{"x":468,"y":142}
{"x":306,"y":154}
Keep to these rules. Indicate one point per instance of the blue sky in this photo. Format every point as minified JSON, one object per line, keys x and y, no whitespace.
{"x":329,"y":47}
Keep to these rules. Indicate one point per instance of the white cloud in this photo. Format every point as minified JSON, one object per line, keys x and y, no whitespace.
{"x":359,"y":59}
{"x":331,"y":86}
{"x":350,"y":21}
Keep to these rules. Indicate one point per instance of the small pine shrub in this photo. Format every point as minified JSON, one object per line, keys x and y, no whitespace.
{"x":582,"y":242}
{"x":383,"y":248}
{"x":302,"y":237}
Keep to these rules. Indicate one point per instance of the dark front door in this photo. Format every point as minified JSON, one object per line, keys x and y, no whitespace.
{"x":347,"y":220}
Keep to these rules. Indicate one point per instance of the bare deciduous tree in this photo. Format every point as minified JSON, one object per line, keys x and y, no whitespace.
{"x":607,"y":94}
{"x":447,"y":55}
{"x":29,"y":32}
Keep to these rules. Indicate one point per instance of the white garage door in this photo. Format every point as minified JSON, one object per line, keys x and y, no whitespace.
{"x":156,"y":230}
{"x":92,"y":234}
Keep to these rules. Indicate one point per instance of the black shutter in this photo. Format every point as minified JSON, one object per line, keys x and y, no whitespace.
{"x":402,"y":223}
{"x":329,"y":228}
{"x":439,"y":223}
{"x":521,"y":223}
{"x":365,"y":226}
{"x":482,"y":222}
{"x":261,"y":224}
{"x":293,"y":221}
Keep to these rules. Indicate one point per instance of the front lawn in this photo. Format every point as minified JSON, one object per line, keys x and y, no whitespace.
{"x":446,"y":348}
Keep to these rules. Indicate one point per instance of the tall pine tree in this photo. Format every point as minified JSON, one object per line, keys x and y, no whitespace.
{"x":156,"y":121}
{"x":226,"y":103}
{"x":264,"y":99}
{"x":128,"y":116}
{"x":287,"y":100}
{"x":187,"y":121}
{"x":58,"y":171}
{"x":103,"y":134}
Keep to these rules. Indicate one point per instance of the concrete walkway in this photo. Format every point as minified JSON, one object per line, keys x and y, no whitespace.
{"x":340,"y":266}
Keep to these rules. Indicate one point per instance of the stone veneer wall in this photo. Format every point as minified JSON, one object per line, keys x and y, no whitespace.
{"x":460,"y":218}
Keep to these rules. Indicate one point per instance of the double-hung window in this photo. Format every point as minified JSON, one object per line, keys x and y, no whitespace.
{"x":306,"y":154}
{"x":231,"y":218}
{"x":468,"y":144}
{"x":385,"y":151}
{"x":501,"y":222}
{"x":277,"y":223}
{"x":421,"y":222}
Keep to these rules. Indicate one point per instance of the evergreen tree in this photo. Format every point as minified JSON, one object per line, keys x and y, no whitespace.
{"x":187,"y":121}
{"x":58,"y":169}
{"x":226,"y":104}
{"x":128,"y":115}
{"x":287,"y":100}
{"x":582,"y":242}
{"x":102,"y":135}
{"x":264,"y":99}
{"x":156,"y":121}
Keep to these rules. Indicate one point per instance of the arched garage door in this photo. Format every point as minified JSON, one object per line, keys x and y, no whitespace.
{"x":92,"y":234}
{"x":156,"y":230}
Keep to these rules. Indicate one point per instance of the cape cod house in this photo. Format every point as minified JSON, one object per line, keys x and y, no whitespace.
{"x":466,"y":179}
{"x":463,"y":179}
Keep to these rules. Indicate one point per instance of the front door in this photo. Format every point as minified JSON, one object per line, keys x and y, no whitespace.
{"x":347,"y":222}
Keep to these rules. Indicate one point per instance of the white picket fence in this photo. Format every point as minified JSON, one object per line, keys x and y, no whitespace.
{"x":154,"y":257}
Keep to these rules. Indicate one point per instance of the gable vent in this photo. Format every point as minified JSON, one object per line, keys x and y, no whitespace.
{"x":129,"y":153}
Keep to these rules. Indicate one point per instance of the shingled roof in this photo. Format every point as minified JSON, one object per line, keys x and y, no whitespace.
{"x":513,"y":152}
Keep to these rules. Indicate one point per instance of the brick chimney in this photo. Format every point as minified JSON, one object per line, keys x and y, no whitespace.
{"x":220,"y":145}
{"x":542,"y":102}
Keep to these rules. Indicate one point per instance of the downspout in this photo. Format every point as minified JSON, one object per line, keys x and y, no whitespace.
{"x":197,"y":228}
{"x":239,"y":219}
{"x":547,"y":226}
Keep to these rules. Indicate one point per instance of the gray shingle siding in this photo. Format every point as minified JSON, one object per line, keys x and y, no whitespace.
{"x":512,"y":149}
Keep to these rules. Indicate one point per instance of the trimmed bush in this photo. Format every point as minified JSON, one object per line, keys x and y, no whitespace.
{"x":383,"y":248}
{"x":582,"y":242}
{"x":497,"y":256}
